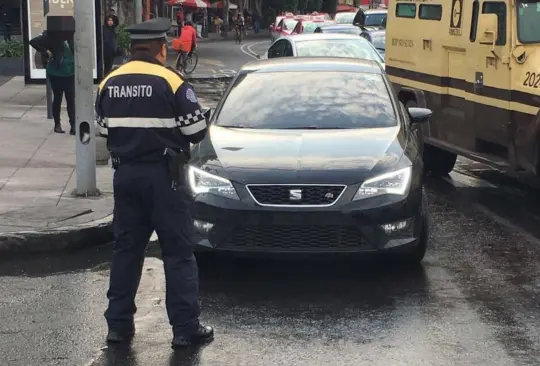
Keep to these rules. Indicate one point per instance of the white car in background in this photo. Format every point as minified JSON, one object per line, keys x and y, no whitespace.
{"x":325,"y":45}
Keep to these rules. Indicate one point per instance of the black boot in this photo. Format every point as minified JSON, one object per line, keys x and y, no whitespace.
{"x":202,"y":335}
{"x":58,"y":128}
{"x":121,"y":335}
{"x":72,"y":131}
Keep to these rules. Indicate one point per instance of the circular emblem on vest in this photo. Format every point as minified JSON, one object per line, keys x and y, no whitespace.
{"x":190,"y":95}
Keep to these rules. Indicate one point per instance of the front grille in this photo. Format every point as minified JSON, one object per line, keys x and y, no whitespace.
{"x":295,"y":238}
{"x":297,"y":195}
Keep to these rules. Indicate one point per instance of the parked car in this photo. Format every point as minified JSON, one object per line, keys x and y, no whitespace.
{"x":347,"y":176}
{"x":324,"y":45}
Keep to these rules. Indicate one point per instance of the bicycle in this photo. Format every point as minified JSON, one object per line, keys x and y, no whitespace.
{"x":187,"y":62}
{"x":239,"y":33}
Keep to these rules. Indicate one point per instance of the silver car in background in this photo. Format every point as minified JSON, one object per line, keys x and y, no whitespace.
{"x":325,"y":45}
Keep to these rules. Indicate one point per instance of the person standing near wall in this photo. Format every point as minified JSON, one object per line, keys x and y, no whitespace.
{"x":109,"y":45}
{"x":5,"y":19}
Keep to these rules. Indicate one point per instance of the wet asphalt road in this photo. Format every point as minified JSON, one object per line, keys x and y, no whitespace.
{"x":474,"y":300}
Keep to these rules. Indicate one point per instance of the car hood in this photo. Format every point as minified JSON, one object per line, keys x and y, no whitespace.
{"x":300,"y":156}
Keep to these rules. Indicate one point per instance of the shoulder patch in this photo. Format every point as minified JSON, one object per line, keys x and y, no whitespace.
{"x":190,"y":95}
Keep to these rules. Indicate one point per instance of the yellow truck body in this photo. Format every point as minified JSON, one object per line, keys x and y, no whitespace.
{"x":476,"y":64}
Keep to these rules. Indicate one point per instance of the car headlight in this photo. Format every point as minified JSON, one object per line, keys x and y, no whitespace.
{"x":204,"y":182}
{"x":395,"y":183}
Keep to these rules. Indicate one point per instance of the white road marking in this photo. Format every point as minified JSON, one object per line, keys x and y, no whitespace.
{"x":246,"y":49}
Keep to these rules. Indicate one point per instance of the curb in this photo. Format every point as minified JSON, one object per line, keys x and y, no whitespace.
{"x":93,"y":233}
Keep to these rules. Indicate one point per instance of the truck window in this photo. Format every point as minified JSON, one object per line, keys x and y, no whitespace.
{"x":528,"y":20}
{"x":474,"y":21}
{"x":498,"y":8}
{"x":430,"y":12}
{"x":406,"y":10}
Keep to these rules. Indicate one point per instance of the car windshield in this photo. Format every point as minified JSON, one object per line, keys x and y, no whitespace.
{"x":353,"y":48}
{"x":308,"y":100}
{"x":528,"y":20}
{"x":309,"y":27}
{"x":344,"y":18}
{"x":374,"y":20}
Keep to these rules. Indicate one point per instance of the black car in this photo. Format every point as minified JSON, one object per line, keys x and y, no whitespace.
{"x":311,"y":155}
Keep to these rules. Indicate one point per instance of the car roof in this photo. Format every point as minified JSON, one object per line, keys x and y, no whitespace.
{"x":376,"y":11}
{"x":313,"y":64}
{"x":312,"y":36}
{"x":337,"y":26}
{"x":375,"y":31}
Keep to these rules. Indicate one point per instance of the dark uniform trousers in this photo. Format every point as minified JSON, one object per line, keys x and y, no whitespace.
{"x":145,"y":201}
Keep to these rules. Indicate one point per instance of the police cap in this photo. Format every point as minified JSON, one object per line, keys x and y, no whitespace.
{"x":151,"y":29}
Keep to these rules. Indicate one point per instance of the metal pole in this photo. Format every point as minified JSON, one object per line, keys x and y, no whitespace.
{"x":49,"y":99}
{"x":84,"y":99}
{"x":138,"y":11}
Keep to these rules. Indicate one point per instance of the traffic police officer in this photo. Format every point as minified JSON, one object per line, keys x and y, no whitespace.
{"x":152,"y":116}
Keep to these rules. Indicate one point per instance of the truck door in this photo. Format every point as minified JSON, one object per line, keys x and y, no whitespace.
{"x":490,"y":95}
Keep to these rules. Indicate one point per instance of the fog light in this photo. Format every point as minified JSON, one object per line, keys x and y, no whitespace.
{"x":202,"y":226}
{"x":395,"y":226}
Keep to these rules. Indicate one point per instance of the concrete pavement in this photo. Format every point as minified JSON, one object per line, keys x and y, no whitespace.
{"x":37,"y":176}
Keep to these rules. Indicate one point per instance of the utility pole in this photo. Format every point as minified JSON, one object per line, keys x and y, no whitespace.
{"x":138,"y":11}
{"x":85,"y":142}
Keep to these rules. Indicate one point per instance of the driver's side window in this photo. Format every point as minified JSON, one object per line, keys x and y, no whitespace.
{"x":288,"y":49}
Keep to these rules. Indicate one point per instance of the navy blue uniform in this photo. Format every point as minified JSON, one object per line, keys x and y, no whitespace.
{"x":148,"y":108}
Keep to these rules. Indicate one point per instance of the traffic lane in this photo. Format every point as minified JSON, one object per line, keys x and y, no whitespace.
{"x":500,"y":193}
{"x":473,"y":301}
{"x":259,"y":48}
{"x":218,"y":58}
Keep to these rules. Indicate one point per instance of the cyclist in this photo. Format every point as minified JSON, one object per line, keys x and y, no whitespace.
{"x":240,"y":25}
{"x":187,"y":42}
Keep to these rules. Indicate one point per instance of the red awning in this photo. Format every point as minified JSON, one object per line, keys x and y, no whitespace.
{"x":189,"y":3}
{"x":345,"y":8}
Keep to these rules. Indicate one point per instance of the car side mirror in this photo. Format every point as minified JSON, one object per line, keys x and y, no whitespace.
{"x":277,"y":29}
{"x":419,"y":115}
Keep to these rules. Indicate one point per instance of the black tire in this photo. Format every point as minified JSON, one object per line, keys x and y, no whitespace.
{"x":190,"y":63}
{"x":438,"y":161}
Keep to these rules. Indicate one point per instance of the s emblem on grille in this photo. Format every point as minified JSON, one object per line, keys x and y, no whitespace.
{"x":329,"y":195}
{"x":295,"y":194}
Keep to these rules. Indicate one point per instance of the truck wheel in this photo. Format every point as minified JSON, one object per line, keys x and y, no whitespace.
{"x":438,"y":161}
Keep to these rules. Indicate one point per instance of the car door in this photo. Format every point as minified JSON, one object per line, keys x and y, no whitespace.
{"x":277,"y":49}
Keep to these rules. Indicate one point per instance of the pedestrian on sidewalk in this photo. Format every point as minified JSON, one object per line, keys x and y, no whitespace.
{"x":5,"y":19}
{"x":60,"y":71}
{"x":152,"y":115}
{"x":109,"y":45}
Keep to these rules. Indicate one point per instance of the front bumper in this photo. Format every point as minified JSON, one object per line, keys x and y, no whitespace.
{"x":385,"y":223}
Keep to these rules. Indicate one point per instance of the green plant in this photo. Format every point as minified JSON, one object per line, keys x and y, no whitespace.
{"x":123,"y":38}
{"x":12,"y":49}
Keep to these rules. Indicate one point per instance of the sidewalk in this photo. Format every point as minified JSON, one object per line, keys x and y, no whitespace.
{"x":37,"y":176}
